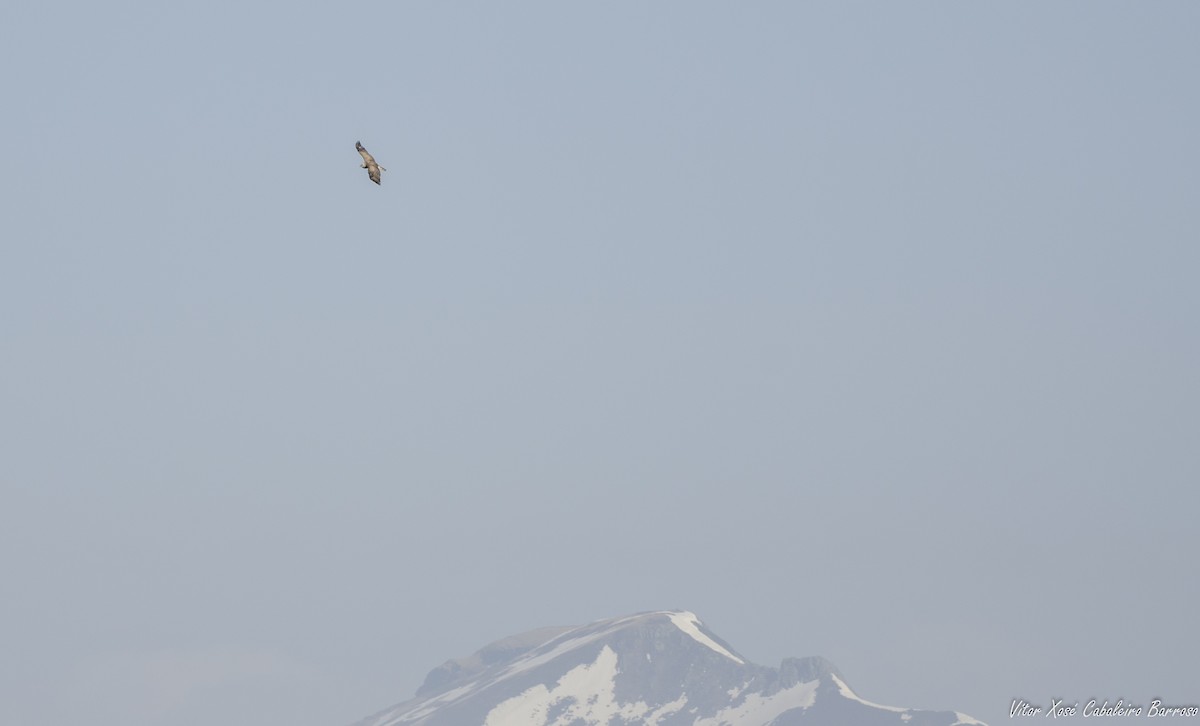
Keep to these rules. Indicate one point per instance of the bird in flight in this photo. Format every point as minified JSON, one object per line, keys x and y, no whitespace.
{"x":369,"y":164}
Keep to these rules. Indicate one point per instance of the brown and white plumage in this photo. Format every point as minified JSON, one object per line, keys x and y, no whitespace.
{"x":369,"y":164}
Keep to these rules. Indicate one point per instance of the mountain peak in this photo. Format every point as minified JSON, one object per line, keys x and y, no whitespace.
{"x":691,"y":625}
{"x":660,"y":668}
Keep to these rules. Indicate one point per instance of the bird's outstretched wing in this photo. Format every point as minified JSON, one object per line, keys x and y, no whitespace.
{"x":373,"y":169}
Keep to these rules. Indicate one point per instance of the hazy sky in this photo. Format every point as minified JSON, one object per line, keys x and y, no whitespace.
{"x":867,"y":330}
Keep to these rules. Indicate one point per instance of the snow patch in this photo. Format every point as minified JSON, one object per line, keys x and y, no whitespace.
{"x":965,"y":719}
{"x":845,"y":691}
{"x":666,"y":710}
{"x":586,"y":691}
{"x":689,"y":623}
{"x":565,"y":644}
{"x":758,"y":709}
{"x":426,"y":707}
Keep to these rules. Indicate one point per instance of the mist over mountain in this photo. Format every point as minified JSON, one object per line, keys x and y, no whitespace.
{"x":656,"y":669}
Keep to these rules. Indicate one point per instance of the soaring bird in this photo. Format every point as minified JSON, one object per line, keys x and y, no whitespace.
{"x":369,"y":164}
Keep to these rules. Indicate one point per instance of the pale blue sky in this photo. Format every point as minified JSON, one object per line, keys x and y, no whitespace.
{"x":866,"y":330}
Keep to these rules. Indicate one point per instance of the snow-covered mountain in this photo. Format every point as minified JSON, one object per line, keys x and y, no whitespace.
{"x":655,"y":669}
